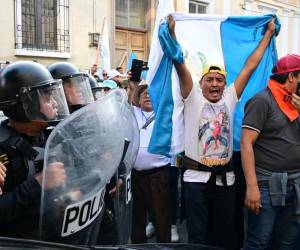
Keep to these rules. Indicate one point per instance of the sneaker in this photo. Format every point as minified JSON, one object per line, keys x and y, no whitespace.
{"x":174,"y":234}
{"x":150,"y":230}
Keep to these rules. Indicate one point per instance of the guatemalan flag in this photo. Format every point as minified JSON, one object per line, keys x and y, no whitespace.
{"x":204,"y":39}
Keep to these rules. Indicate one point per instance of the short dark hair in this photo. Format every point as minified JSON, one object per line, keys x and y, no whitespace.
{"x":281,"y":78}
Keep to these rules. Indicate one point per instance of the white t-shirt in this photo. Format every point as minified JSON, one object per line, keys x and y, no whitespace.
{"x":208,"y":132}
{"x":145,"y":160}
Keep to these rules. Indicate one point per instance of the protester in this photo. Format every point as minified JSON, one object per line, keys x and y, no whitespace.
{"x":104,"y":75}
{"x":174,"y":173}
{"x":94,"y":69}
{"x":150,"y":177}
{"x":270,"y":151}
{"x":120,"y":69}
{"x":209,"y":179}
{"x":116,"y":76}
{"x":174,"y":205}
{"x":108,"y":85}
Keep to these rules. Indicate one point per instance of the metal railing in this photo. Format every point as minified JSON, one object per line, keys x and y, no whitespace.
{"x":42,"y":25}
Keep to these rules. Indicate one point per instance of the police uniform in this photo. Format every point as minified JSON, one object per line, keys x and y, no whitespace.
{"x":21,"y":196}
{"x":29,"y":97}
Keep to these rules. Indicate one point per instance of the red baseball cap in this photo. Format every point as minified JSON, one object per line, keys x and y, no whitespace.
{"x":287,"y":64}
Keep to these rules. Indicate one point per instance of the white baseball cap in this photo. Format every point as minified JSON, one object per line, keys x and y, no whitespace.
{"x":113,"y":73}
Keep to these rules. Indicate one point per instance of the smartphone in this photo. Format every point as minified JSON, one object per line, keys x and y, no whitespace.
{"x":136,"y":70}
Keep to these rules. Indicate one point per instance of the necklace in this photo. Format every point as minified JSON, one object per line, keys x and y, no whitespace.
{"x":212,"y":108}
{"x":147,"y":119}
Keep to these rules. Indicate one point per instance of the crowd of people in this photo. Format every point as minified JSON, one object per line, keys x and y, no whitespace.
{"x":270,"y":151}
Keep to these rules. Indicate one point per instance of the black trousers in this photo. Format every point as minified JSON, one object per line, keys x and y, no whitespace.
{"x":151,"y":192}
{"x":240,"y":186}
{"x":210,"y":213}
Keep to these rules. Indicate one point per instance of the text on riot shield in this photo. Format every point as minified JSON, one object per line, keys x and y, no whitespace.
{"x":79,"y":215}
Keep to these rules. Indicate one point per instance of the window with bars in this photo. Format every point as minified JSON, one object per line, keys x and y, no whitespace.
{"x":197,"y":7}
{"x":42,"y":25}
{"x":131,"y":13}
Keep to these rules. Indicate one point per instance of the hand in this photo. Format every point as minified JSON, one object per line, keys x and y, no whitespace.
{"x":253,"y":199}
{"x":131,"y":86}
{"x":272,"y":26}
{"x":172,"y":26}
{"x":56,"y":176}
{"x":114,"y":189}
{"x":133,"y":83}
{"x":2,"y":174}
{"x":296,"y":102}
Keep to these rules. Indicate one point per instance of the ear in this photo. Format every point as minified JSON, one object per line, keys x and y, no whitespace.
{"x":290,"y":77}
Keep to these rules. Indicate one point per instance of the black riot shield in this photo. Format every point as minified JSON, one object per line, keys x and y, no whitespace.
{"x":123,"y":198}
{"x":90,"y":144}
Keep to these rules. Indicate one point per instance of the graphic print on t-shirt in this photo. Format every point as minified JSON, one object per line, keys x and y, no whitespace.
{"x":214,"y":134}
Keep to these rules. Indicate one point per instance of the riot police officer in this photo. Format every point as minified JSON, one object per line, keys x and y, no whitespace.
{"x":76,"y":84}
{"x":96,"y":88}
{"x":30,"y":98}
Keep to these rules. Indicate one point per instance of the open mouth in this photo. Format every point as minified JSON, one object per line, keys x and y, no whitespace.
{"x":214,"y":92}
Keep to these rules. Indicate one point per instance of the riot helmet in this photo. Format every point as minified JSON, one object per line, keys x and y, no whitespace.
{"x":29,"y":93}
{"x":76,"y":84}
{"x":96,"y":88}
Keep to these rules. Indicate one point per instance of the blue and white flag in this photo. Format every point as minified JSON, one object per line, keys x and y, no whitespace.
{"x":131,"y":57}
{"x":204,"y":40}
{"x":105,"y":50}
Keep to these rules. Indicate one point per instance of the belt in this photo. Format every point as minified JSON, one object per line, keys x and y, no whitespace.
{"x":194,"y":165}
{"x":189,"y":163}
{"x":151,"y":171}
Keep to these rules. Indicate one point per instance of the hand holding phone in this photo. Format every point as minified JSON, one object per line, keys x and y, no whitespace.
{"x":136,"y":70}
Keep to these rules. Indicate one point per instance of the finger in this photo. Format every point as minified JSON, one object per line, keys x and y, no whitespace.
{"x":57,"y":164}
{"x":112,"y":190}
{"x":296,"y":104}
{"x":295,"y":97}
{"x":2,"y":180}
{"x":2,"y":166}
{"x":2,"y":173}
{"x":257,"y":208}
{"x":252,"y":207}
{"x":248,"y":204}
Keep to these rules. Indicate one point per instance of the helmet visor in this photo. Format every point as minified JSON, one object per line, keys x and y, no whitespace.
{"x":98,"y":93}
{"x":78,"y":91}
{"x":45,"y":103}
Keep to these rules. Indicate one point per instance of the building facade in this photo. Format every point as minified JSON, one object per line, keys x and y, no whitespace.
{"x":48,"y":31}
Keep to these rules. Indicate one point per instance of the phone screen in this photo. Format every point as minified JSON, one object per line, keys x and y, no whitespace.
{"x":136,"y":70}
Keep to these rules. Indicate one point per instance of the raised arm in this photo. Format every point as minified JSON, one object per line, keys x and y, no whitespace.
{"x":254,"y":59}
{"x":185,"y":78}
